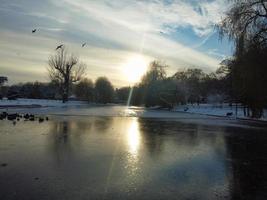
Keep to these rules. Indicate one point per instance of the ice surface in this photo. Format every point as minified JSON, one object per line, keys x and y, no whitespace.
{"x":204,"y":113}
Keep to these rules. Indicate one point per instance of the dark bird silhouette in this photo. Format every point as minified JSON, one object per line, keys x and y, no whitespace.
{"x":34,"y":30}
{"x":229,"y":114}
{"x":59,"y":46}
{"x":3,"y":115}
{"x":3,"y":164}
{"x":11,"y":117}
{"x":83,"y":44}
{"x":26,"y":116}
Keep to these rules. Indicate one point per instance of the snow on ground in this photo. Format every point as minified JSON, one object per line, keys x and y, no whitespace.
{"x":82,"y":108}
{"x":216,"y":110}
{"x":38,"y":102}
{"x":84,"y":111}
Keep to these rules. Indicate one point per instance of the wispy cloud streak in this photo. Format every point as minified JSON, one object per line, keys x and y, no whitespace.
{"x":114,"y":31}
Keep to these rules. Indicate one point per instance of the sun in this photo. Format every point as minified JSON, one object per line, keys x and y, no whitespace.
{"x":135,"y":68}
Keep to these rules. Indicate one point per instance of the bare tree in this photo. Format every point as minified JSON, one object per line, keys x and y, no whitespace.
{"x":65,"y":69}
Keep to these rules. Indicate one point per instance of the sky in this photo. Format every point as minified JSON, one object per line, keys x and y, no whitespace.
{"x":118,"y":35}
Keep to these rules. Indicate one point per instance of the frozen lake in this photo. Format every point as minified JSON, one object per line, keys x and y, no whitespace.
{"x":118,"y":153}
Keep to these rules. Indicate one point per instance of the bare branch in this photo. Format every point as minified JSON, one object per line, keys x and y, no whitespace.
{"x":65,"y":69}
{"x":245,"y":22}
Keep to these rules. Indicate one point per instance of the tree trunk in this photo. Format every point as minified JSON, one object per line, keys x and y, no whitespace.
{"x":66,"y":90}
{"x":236,"y":109}
{"x":257,"y":112}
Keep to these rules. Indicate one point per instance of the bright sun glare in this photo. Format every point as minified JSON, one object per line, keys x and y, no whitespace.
{"x":134,"y":137}
{"x":135,"y":68}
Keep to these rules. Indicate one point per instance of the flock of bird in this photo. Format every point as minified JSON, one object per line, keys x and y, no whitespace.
{"x":17,"y":117}
{"x":27,"y":117}
{"x":59,"y":46}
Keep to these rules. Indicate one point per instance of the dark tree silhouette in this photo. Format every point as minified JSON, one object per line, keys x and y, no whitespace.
{"x":65,"y":69}
{"x":246,"y":25}
{"x":84,"y":90}
{"x":156,"y":72}
{"x":104,"y":90}
{"x":3,"y":79}
{"x":246,"y":21}
{"x":122,"y":94}
{"x":191,"y":81}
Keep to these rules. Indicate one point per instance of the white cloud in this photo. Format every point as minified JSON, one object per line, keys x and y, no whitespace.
{"x":123,"y":28}
{"x":154,"y":16}
{"x":215,"y":52}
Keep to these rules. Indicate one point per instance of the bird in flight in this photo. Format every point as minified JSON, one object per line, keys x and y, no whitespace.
{"x":83,"y":44}
{"x":59,"y":46}
{"x":34,"y":30}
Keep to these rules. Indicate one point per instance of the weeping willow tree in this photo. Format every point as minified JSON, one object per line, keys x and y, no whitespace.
{"x":246,"y":24}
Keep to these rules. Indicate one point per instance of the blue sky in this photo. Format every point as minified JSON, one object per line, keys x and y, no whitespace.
{"x":179,"y":32}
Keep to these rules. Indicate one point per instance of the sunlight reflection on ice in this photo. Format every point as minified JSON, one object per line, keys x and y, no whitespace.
{"x":128,"y":113}
{"x":134,"y":137}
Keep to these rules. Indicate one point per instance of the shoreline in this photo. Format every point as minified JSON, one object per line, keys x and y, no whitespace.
{"x":208,"y":110}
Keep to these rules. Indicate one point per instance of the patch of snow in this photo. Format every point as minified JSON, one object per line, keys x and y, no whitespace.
{"x":220,"y":110}
{"x":207,"y":113}
{"x":39,"y":102}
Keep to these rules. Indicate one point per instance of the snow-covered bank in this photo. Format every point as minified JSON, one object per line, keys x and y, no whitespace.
{"x":206,"y":112}
{"x":216,"y":110}
{"x":38,"y":102}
